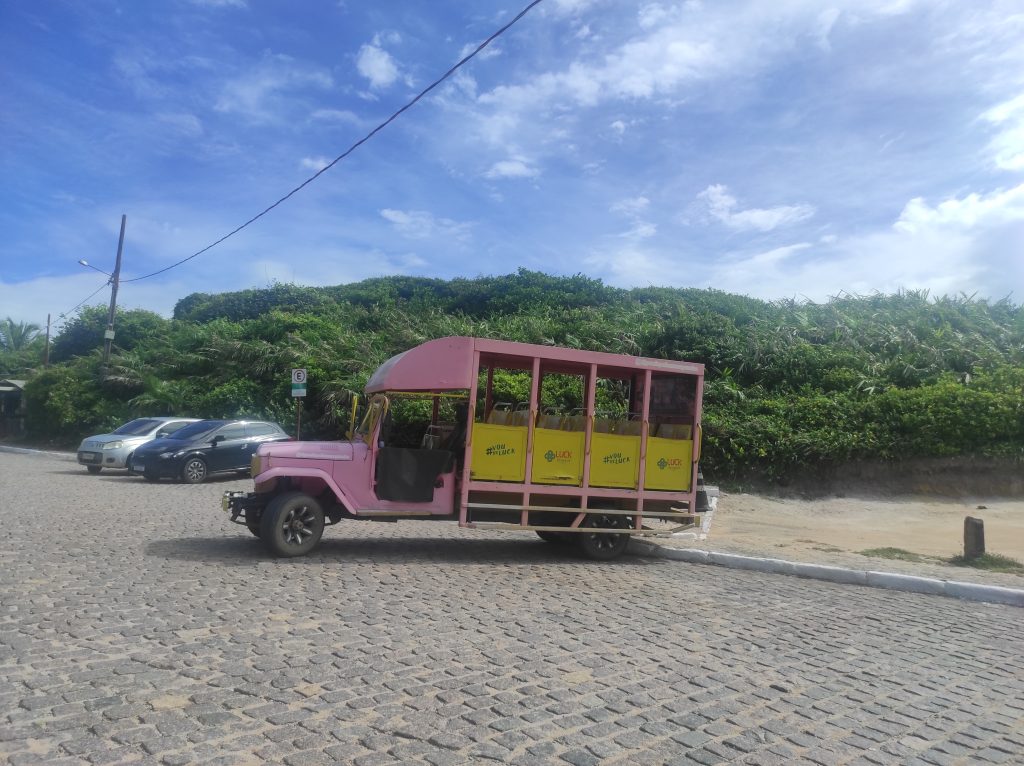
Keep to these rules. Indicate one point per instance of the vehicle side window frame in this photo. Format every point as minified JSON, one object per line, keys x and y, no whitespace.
{"x":256,"y":430}
{"x":231,"y":432}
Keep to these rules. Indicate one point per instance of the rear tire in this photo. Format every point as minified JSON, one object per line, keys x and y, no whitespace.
{"x":604,"y":546}
{"x":94,"y":469}
{"x":292,"y":524}
{"x":557,"y":538}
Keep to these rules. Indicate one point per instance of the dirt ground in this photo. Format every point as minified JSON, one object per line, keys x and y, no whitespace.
{"x":925,"y":526}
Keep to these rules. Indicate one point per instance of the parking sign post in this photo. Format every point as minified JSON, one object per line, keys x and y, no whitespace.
{"x":298,"y":392}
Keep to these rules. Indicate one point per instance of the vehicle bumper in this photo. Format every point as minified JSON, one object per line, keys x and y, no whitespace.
{"x":103,"y":458}
{"x":244,"y":506}
{"x":155,"y":467}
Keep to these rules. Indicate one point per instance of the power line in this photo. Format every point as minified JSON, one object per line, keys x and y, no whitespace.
{"x":81,"y":303}
{"x":352,"y":148}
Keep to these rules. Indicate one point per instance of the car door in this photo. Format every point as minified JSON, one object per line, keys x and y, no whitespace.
{"x":231,"y":449}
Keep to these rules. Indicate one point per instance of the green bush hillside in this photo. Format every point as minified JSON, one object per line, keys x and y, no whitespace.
{"x":791,"y":385}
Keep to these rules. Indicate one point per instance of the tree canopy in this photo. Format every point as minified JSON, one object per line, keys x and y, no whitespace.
{"x":790,"y":384}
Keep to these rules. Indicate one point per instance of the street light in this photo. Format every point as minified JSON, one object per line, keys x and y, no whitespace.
{"x":101,"y":271}
{"x":108,"y":335}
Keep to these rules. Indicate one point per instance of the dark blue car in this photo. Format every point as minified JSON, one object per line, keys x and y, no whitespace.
{"x":204,"y":448}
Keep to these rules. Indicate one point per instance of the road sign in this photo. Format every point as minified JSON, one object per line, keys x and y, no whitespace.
{"x":298,"y":382}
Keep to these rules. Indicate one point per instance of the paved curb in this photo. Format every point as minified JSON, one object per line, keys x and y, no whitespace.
{"x":26,"y":451}
{"x":994,"y":594}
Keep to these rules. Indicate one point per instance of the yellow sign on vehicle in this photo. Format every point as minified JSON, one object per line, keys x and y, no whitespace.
{"x":614,"y":460}
{"x":499,"y":452}
{"x":669,"y":464}
{"x":557,"y":457}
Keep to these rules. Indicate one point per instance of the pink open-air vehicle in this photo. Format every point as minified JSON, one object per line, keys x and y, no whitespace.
{"x":586,"y":475}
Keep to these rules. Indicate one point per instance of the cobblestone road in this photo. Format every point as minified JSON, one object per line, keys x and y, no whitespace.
{"x":137,"y":625}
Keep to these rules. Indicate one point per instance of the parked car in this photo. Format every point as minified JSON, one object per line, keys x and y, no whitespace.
{"x":114,"y":449}
{"x":204,"y":448}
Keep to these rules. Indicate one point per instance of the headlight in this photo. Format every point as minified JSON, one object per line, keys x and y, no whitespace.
{"x":166,"y":455}
{"x":113,"y":445}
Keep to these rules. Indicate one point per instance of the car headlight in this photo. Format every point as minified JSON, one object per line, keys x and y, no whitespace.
{"x":166,"y":455}
{"x":113,"y":445}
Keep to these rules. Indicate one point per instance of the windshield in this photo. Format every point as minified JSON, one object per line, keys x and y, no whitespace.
{"x":194,"y":430}
{"x":137,"y":426}
{"x":378,"y":406}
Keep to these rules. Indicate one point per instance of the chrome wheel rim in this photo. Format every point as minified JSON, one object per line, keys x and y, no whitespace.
{"x":195,"y":470}
{"x":605,"y":541}
{"x":298,"y":525}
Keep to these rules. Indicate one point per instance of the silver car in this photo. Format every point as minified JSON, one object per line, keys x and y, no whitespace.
{"x":114,"y":449}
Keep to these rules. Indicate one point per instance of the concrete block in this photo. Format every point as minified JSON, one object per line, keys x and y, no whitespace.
{"x":991,"y":593}
{"x":831,"y":574}
{"x":910,"y":583}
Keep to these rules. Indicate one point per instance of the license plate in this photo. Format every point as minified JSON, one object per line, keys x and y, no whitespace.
{"x":138,"y":467}
{"x":224,"y":504}
{"x":92,"y":457}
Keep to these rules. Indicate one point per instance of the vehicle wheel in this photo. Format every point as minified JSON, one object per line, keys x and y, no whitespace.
{"x":604,"y":546}
{"x":194,"y":471}
{"x":558,"y":538}
{"x":292,"y":524}
{"x":94,"y":469}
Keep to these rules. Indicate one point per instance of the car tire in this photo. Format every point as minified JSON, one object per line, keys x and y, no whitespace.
{"x":557,"y":538}
{"x":194,"y":471}
{"x":94,"y":469}
{"x":604,"y":546}
{"x":292,"y":524}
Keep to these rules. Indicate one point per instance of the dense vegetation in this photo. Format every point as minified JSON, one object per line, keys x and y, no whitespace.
{"x":791,"y":385}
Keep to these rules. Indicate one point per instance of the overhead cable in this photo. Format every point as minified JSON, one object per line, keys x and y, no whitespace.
{"x":352,"y":148}
{"x":82,"y":303}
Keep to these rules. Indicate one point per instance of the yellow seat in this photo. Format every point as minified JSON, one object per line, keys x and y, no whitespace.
{"x":674,"y":431}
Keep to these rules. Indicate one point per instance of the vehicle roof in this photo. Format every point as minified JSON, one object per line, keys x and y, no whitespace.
{"x":447,"y":364}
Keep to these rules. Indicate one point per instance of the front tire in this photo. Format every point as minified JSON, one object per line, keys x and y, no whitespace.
{"x":94,"y":469}
{"x":194,"y":471}
{"x":292,"y":524}
{"x":604,"y":546}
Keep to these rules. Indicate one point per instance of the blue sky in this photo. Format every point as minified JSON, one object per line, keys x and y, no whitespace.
{"x":783,"y":150}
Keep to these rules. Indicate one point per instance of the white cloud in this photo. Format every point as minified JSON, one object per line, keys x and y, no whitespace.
{"x":420,"y":224}
{"x":969,"y":244}
{"x":618,"y":126}
{"x":634,"y":208}
{"x":220,"y":3}
{"x":972,"y":211}
{"x":489,"y":52}
{"x":722,"y":206}
{"x":631,"y":205}
{"x":963,"y":244}
{"x":337,"y":115}
{"x":515,"y":168}
{"x":377,"y":66}
{"x":1007,"y":147}
{"x":314,"y":163}
{"x":183,"y":123}
{"x":260,"y":94}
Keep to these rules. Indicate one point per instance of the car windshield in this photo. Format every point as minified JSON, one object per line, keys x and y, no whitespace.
{"x":194,"y":430}
{"x":137,"y":426}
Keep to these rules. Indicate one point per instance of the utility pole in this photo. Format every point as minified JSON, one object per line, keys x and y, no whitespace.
{"x":46,"y":353}
{"x":108,"y":336}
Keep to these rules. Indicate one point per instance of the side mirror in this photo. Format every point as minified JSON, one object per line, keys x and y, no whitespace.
{"x":161,"y":435}
{"x":217,"y":439}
